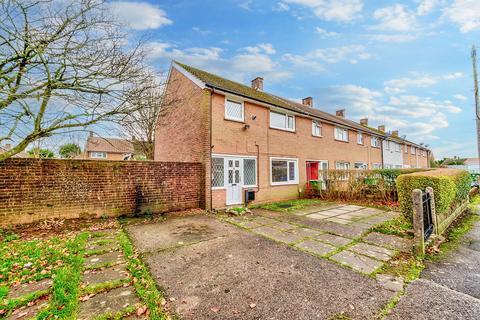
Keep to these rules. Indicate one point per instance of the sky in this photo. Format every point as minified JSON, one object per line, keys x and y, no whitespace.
{"x":405,"y":64}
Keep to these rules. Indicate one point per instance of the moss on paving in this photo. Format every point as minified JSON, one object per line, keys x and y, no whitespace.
{"x":399,"y":226}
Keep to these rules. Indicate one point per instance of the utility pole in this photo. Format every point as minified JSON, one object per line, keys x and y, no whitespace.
{"x":477,"y":103}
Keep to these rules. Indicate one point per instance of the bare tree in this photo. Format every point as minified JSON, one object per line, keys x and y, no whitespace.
{"x":149,"y":101}
{"x":64,"y":65}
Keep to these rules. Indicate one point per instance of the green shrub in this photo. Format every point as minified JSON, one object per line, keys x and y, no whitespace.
{"x":449,"y":185}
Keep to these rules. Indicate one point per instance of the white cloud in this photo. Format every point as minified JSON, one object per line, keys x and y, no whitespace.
{"x":396,"y":38}
{"x":246,"y":5}
{"x":325,"y":33}
{"x":417,"y":80}
{"x":427,"y":6}
{"x":140,"y":15}
{"x":464,"y":13}
{"x":417,"y":107}
{"x":201,"y":31}
{"x":460,"y":97}
{"x":280,"y":7}
{"x":332,"y":10}
{"x":248,"y":63}
{"x":395,"y":18}
{"x":356,"y":99}
{"x":448,"y":149}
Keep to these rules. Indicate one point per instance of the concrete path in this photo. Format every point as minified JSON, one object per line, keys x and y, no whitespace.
{"x":449,"y":289}
{"x":214,"y":270}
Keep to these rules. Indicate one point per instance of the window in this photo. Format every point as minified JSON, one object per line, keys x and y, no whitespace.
{"x":360,"y":166}
{"x":284,"y":171}
{"x":316,"y":129}
{"x":341,"y":134}
{"x":233,"y":110}
{"x":398,"y":147}
{"x":387,"y":145}
{"x":342,"y":166}
{"x":375,"y":142}
{"x":413,"y":150}
{"x":282,"y":121}
{"x":98,"y":155}
{"x":360,"y":138}
{"x":406,"y":149}
{"x":377,"y":166}
{"x":249,"y":172}
{"x":218,"y":172}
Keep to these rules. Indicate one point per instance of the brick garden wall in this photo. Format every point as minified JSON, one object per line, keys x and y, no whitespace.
{"x":32,"y":190}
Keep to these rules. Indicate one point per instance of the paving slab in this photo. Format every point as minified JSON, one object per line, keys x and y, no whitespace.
{"x":112,"y":301}
{"x":111,"y":246}
{"x":27,"y":288}
{"x":174,"y":232}
{"x":105,"y":234}
{"x":338,"y":220}
{"x":427,"y":300}
{"x":390,"y":282}
{"x":283,"y":226}
{"x":333,"y":239}
{"x":305,"y":232}
{"x":249,"y":224}
{"x":96,"y":261}
{"x":356,"y":261}
{"x":378,"y":253}
{"x":316,"y":247}
{"x":221,"y":278}
{"x":266,"y":231}
{"x":389,"y":241}
{"x":97,"y":276}
{"x":284,"y":236}
{"x":29,"y":312}
{"x":378,"y":219}
{"x":264,"y":220}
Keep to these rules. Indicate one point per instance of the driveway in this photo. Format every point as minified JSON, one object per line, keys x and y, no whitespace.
{"x":211,"y":269}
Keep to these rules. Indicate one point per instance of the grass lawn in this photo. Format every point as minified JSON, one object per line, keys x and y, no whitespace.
{"x":291,"y":205}
{"x":59,"y":261}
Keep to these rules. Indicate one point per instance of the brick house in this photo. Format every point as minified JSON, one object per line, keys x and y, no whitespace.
{"x":249,"y":139}
{"x":99,"y":148}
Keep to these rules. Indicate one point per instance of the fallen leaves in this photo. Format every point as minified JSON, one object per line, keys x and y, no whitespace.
{"x":141,"y":310}
{"x":87,"y":297}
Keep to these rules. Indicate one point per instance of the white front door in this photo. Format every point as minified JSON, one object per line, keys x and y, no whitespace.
{"x":323,"y":173}
{"x":234,"y":181}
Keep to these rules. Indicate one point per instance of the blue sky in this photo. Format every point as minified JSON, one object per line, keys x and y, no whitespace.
{"x":405,"y":64}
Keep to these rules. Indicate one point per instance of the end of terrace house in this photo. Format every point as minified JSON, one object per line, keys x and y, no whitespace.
{"x":249,"y":139}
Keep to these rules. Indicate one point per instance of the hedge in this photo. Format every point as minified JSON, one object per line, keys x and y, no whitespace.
{"x":450,"y":187}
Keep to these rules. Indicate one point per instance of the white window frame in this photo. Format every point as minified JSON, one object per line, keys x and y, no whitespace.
{"x":233,"y":118}
{"x":406,"y":149}
{"x":363,"y":164}
{"x":287,"y":116}
{"x":398,"y":147}
{"x":344,"y":131}
{"x":94,"y":155}
{"x":360,"y":138}
{"x":375,"y":142}
{"x":412,"y":150}
{"x":344,"y":163}
{"x":316,"y":124}
{"x":289,"y":182}
{"x":225,"y":158}
{"x":377,"y":166}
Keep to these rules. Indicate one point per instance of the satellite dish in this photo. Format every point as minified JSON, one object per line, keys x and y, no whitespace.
{"x":404,"y":136}
{"x":427,"y":145}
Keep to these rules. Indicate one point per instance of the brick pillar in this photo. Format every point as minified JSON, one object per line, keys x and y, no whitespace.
{"x":419,"y":245}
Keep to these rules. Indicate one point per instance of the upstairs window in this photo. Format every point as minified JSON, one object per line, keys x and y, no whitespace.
{"x":398,"y":147}
{"x":360,"y":138}
{"x":282,"y":121}
{"x":316,"y":129}
{"x":98,"y":155}
{"x":387,"y":145}
{"x":406,"y":149}
{"x":360,"y":166}
{"x":234,"y":110}
{"x":341,"y":134}
{"x":413,"y":150}
{"x":375,"y":142}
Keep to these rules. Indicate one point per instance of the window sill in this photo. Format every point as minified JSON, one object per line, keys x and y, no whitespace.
{"x":234,"y":120}
{"x":316,"y":136}
{"x":219,"y":188}
{"x":282,"y":129}
{"x":346,"y":141}
{"x":289,"y":183}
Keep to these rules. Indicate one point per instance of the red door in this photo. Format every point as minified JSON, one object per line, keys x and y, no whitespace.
{"x":312,"y":171}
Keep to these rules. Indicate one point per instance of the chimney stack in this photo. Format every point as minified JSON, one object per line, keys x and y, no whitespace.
{"x":257,"y":83}
{"x":395,"y":133}
{"x":308,"y":101}
{"x":364,"y":122}
{"x":381,"y":128}
{"x":340,"y":113}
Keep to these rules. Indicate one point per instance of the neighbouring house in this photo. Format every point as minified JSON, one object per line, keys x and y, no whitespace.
{"x":470,"y":164}
{"x":99,"y":148}
{"x":8,"y":146}
{"x":256,"y":144}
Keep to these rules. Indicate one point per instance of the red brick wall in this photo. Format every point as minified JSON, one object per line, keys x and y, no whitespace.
{"x":32,"y":190}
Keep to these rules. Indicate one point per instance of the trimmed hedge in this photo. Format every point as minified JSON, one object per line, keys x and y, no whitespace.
{"x":450,"y":186}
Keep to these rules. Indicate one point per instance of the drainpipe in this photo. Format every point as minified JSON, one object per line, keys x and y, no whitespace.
{"x":381,"y":152}
{"x":210,"y":149}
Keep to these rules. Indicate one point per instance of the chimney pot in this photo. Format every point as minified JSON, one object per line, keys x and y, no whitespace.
{"x":340,"y":113}
{"x":364,"y":122}
{"x":257,"y":83}
{"x":381,"y":128}
{"x":308,"y":101}
{"x":91,"y":133}
{"x":395,"y":133}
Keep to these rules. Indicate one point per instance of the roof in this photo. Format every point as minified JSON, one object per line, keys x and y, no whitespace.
{"x":471,"y":161}
{"x":217,"y":82}
{"x":112,"y":145}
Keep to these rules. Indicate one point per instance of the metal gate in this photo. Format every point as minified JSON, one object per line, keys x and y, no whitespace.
{"x":427,"y":215}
